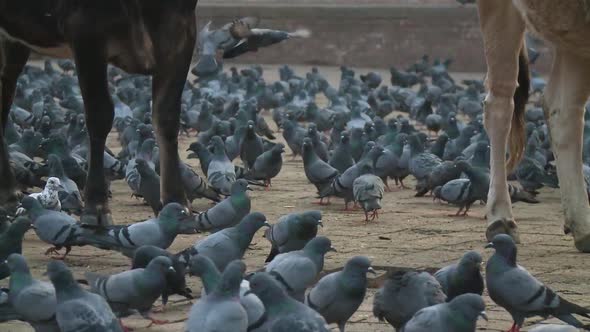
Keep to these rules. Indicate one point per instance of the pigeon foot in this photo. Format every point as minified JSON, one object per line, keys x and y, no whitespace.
{"x":503,"y":226}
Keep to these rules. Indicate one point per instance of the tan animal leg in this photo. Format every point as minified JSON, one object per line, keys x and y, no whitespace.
{"x":503,"y":31}
{"x":565,"y":96}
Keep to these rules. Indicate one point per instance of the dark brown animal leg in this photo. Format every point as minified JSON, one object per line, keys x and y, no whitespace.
{"x":91,"y":65}
{"x":174,"y":43}
{"x":13,"y":57}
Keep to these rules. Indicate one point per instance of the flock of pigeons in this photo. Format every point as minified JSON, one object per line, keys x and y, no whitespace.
{"x":363,"y":137}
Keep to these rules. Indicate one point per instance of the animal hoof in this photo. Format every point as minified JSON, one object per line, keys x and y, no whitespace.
{"x":99,"y":217}
{"x":503,"y":226}
{"x":583,"y":243}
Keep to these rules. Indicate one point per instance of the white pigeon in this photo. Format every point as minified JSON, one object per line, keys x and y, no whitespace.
{"x":49,"y":197}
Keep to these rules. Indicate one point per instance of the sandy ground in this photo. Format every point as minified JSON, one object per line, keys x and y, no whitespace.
{"x":410,"y":233}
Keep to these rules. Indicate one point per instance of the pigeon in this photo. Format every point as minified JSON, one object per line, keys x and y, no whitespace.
{"x":368,"y":190}
{"x":149,"y":185}
{"x":292,"y":232}
{"x":297,"y":270}
{"x":439,"y":176}
{"x":463,"y":277}
{"x":320,"y":148}
{"x":228,"y":212}
{"x":219,"y":310}
{"x":11,"y":242}
{"x":251,"y":146}
{"x":49,"y":197}
{"x":458,"y":315}
{"x":195,"y":186}
{"x":293,"y":134}
{"x":175,"y":280}
{"x":203,"y":267}
{"x":160,"y":231}
{"x":221,"y":172}
{"x":78,"y":310}
{"x":231,"y":243}
{"x":55,"y":228}
{"x":513,"y":288}
{"x":404,"y":294}
{"x":421,"y":162}
{"x":257,"y":38}
{"x":282,"y":312}
{"x":338,"y":295}
{"x":464,"y":192}
{"x":199,"y":151}
{"x":268,"y":165}
{"x":135,"y":289}
{"x":341,"y":158}
{"x":32,"y":299}
{"x":554,"y":328}
{"x":317,"y":171}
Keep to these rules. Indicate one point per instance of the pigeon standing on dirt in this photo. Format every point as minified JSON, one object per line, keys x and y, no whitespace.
{"x":211,"y":277}
{"x":55,"y":228}
{"x":368,"y":190}
{"x":251,"y":146}
{"x":219,"y":310}
{"x":49,"y":197}
{"x":297,"y":270}
{"x":338,"y":295}
{"x":317,"y":171}
{"x":160,"y":231}
{"x":458,"y":315}
{"x":462,"y":277}
{"x":341,"y":158}
{"x":292,"y":232}
{"x":464,"y":192}
{"x":282,"y":312}
{"x":195,"y":186}
{"x":149,"y":185}
{"x":228,"y":212}
{"x":512,"y":287}
{"x":404,"y":294}
{"x":11,"y":242}
{"x":221,"y":172}
{"x":135,"y":289}
{"x":231,"y":243}
{"x":34,"y":300}
{"x":268,"y":165}
{"x":175,"y":280}
{"x":77,"y":309}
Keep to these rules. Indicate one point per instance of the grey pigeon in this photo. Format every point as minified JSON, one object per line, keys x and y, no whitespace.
{"x":11,"y":242}
{"x":368,"y":190}
{"x":55,"y":228}
{"x":149,"y":185}
{"x":268,"y":165}
{"x":160,"y":231}
{"x":317,"y":171}
{"x":513,"y":288}
{"x":231,"y":243}
{"x":283,"y":312}
{"x":320,"y":148}
{"x":228,"y":212}
{"x":341,"y":158}
{"x":292,"y":232}
{"x":338,"y":295}
{"x":464,"y":192}
{"x":78,"y":310}
{"x":259,"y":38}
{"x":438,"y":176}
{"x":175,"y":280}
{"x":32,"y":299}
{"x":554,"y":328}
{"x":135,"y":289}
{"x":211,"y":277}
{"x":293,"y":134}
{"x":195,"y":186}
{"x":219,"y":310}
{"x":421,"y":162}
{"x":221,"y":172}
{"x":458,"y":315}
{"x":297,"y":270}
{"x":462,"y":277}
{"x":404,"y":294}
{"x":251,"y":146}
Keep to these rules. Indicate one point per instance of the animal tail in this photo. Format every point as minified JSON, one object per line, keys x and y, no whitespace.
{"x":521,"y":97}
{"x":301,"y":33}
{"x":271,"y":255}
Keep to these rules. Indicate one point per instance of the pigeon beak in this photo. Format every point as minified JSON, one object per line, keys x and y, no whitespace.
{"x":484,"y":315}
{"x":320,"y":223}
{"x":371,"y":270}
{"x":61,"y":187}
{"x":489,"y":245}
{"x":266,"y":224}
{"x":171,"y":269}
{"x":33,"y":227}
{"x":333,"y":249}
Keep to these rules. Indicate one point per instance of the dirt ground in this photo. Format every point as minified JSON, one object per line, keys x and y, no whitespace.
{"x":410,"y":233}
